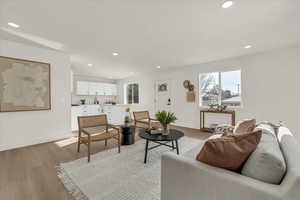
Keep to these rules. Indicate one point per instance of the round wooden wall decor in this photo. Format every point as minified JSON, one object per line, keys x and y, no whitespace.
{"x":186,"y":84}
{"x":191,"y":88}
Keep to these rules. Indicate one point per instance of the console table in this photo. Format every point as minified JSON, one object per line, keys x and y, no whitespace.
{"x":202,"y":118}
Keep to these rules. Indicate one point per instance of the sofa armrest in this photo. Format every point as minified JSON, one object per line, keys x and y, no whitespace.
{"x":188,"y":179}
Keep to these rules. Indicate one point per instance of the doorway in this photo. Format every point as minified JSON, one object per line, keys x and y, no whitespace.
{"x":163,"y":95}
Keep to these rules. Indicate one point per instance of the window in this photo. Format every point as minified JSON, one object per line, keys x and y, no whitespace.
{"x":220,"y":88}
{"x":131,"y":92}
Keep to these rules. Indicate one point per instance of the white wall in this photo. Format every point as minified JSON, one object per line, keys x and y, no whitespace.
{"x":76,"y":98}
{"x":31,"y":127}
{"x":146,"y":92}
{"x":270,"y":88}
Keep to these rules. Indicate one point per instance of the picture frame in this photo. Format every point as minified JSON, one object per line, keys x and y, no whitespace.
{"x":163,"y":87}
{"x":25,"y":85}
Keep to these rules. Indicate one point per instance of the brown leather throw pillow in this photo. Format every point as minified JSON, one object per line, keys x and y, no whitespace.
{"x":229,"y":152}
{"x":246,"y":126}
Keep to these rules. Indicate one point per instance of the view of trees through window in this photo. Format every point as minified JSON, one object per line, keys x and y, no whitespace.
{"x":132,"y":93}
{"x":220,"y":88}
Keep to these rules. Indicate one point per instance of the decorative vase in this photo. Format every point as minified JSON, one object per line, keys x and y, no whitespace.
{"x":165,"y":129}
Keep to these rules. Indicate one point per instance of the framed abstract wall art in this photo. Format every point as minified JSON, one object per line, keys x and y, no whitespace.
{"x":24,"y":85}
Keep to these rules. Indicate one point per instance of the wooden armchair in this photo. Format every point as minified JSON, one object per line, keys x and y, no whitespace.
{"x":142,"y":120}
{"x":96,"y":128}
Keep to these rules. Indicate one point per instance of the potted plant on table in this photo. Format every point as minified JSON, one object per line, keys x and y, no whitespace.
{"x":165,"y":118}
{"x":126,"y":120}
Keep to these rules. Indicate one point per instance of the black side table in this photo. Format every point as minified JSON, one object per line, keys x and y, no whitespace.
{"x":128,"y":133}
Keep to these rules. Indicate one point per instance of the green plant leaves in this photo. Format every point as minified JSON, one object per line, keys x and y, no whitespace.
{"x":126,"y":119}
{"x":165,"y":117}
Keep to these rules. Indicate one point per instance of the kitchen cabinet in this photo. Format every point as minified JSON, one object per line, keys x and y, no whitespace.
{"x":107,"y":89}
{"x":93,"y":88}
{"x":96,"y":88}
{"x":100,"y":89}
{"x":114,"y":89}
{"x":115,"y":113}
{"x":110,"y":89}
{"x":76,"y":111}
{"x":82,"y":88}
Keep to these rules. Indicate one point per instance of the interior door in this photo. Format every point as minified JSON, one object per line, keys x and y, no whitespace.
{"x":163,"y":95}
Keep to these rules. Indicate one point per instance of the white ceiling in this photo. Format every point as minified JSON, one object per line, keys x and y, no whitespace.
{"x":147,"y":33}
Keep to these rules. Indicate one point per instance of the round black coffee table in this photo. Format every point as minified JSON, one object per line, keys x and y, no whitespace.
{"x":160,"y":139}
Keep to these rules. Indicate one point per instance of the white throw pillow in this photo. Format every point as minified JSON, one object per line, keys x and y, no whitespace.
{"x":266,"y":163}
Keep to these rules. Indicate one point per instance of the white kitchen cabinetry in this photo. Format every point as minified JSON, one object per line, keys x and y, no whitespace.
{"x":115,"y":113}
{"x":76,"y":111}
{"x":83,"y":110}
{"x":114,"y":89}
{"x":96,"y":88}
{"x":100,"y":89}
{"x":82,"y":88}
{"x":93,"y":88}
{"x":91,"y":109}
{"x":110,"y":89}
{"x":107,"y":89}
{"x":118,"y":114}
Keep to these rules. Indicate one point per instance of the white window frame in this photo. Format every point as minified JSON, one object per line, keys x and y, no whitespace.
{"x":220,"y":84}
{"x":125,"y":93}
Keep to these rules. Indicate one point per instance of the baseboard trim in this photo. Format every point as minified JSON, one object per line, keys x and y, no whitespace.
{"x":34,"y":142}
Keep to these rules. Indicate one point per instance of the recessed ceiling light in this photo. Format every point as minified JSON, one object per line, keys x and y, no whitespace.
{"x":158,"y":67}
{"x":90,"y":65}
{"x":247,"y":46}
{"x":227,"y":4}
{"x":115,"y":54}
{"x":13,"y":25}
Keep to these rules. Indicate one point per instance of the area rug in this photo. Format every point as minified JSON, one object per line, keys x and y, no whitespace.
{"x":113,"y":176}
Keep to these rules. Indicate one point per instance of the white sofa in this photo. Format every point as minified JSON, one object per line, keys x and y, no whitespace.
{"x":184,"y":178}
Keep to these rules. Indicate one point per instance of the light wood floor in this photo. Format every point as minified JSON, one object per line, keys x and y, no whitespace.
{"x":29,"y":174}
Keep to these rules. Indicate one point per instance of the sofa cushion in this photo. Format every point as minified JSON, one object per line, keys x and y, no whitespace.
{"x":194,"y":151}
{"x":229,"y":152}
{"x":266,"y":163}
{"x":266,"y":128}
{"x":246,"y":126}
